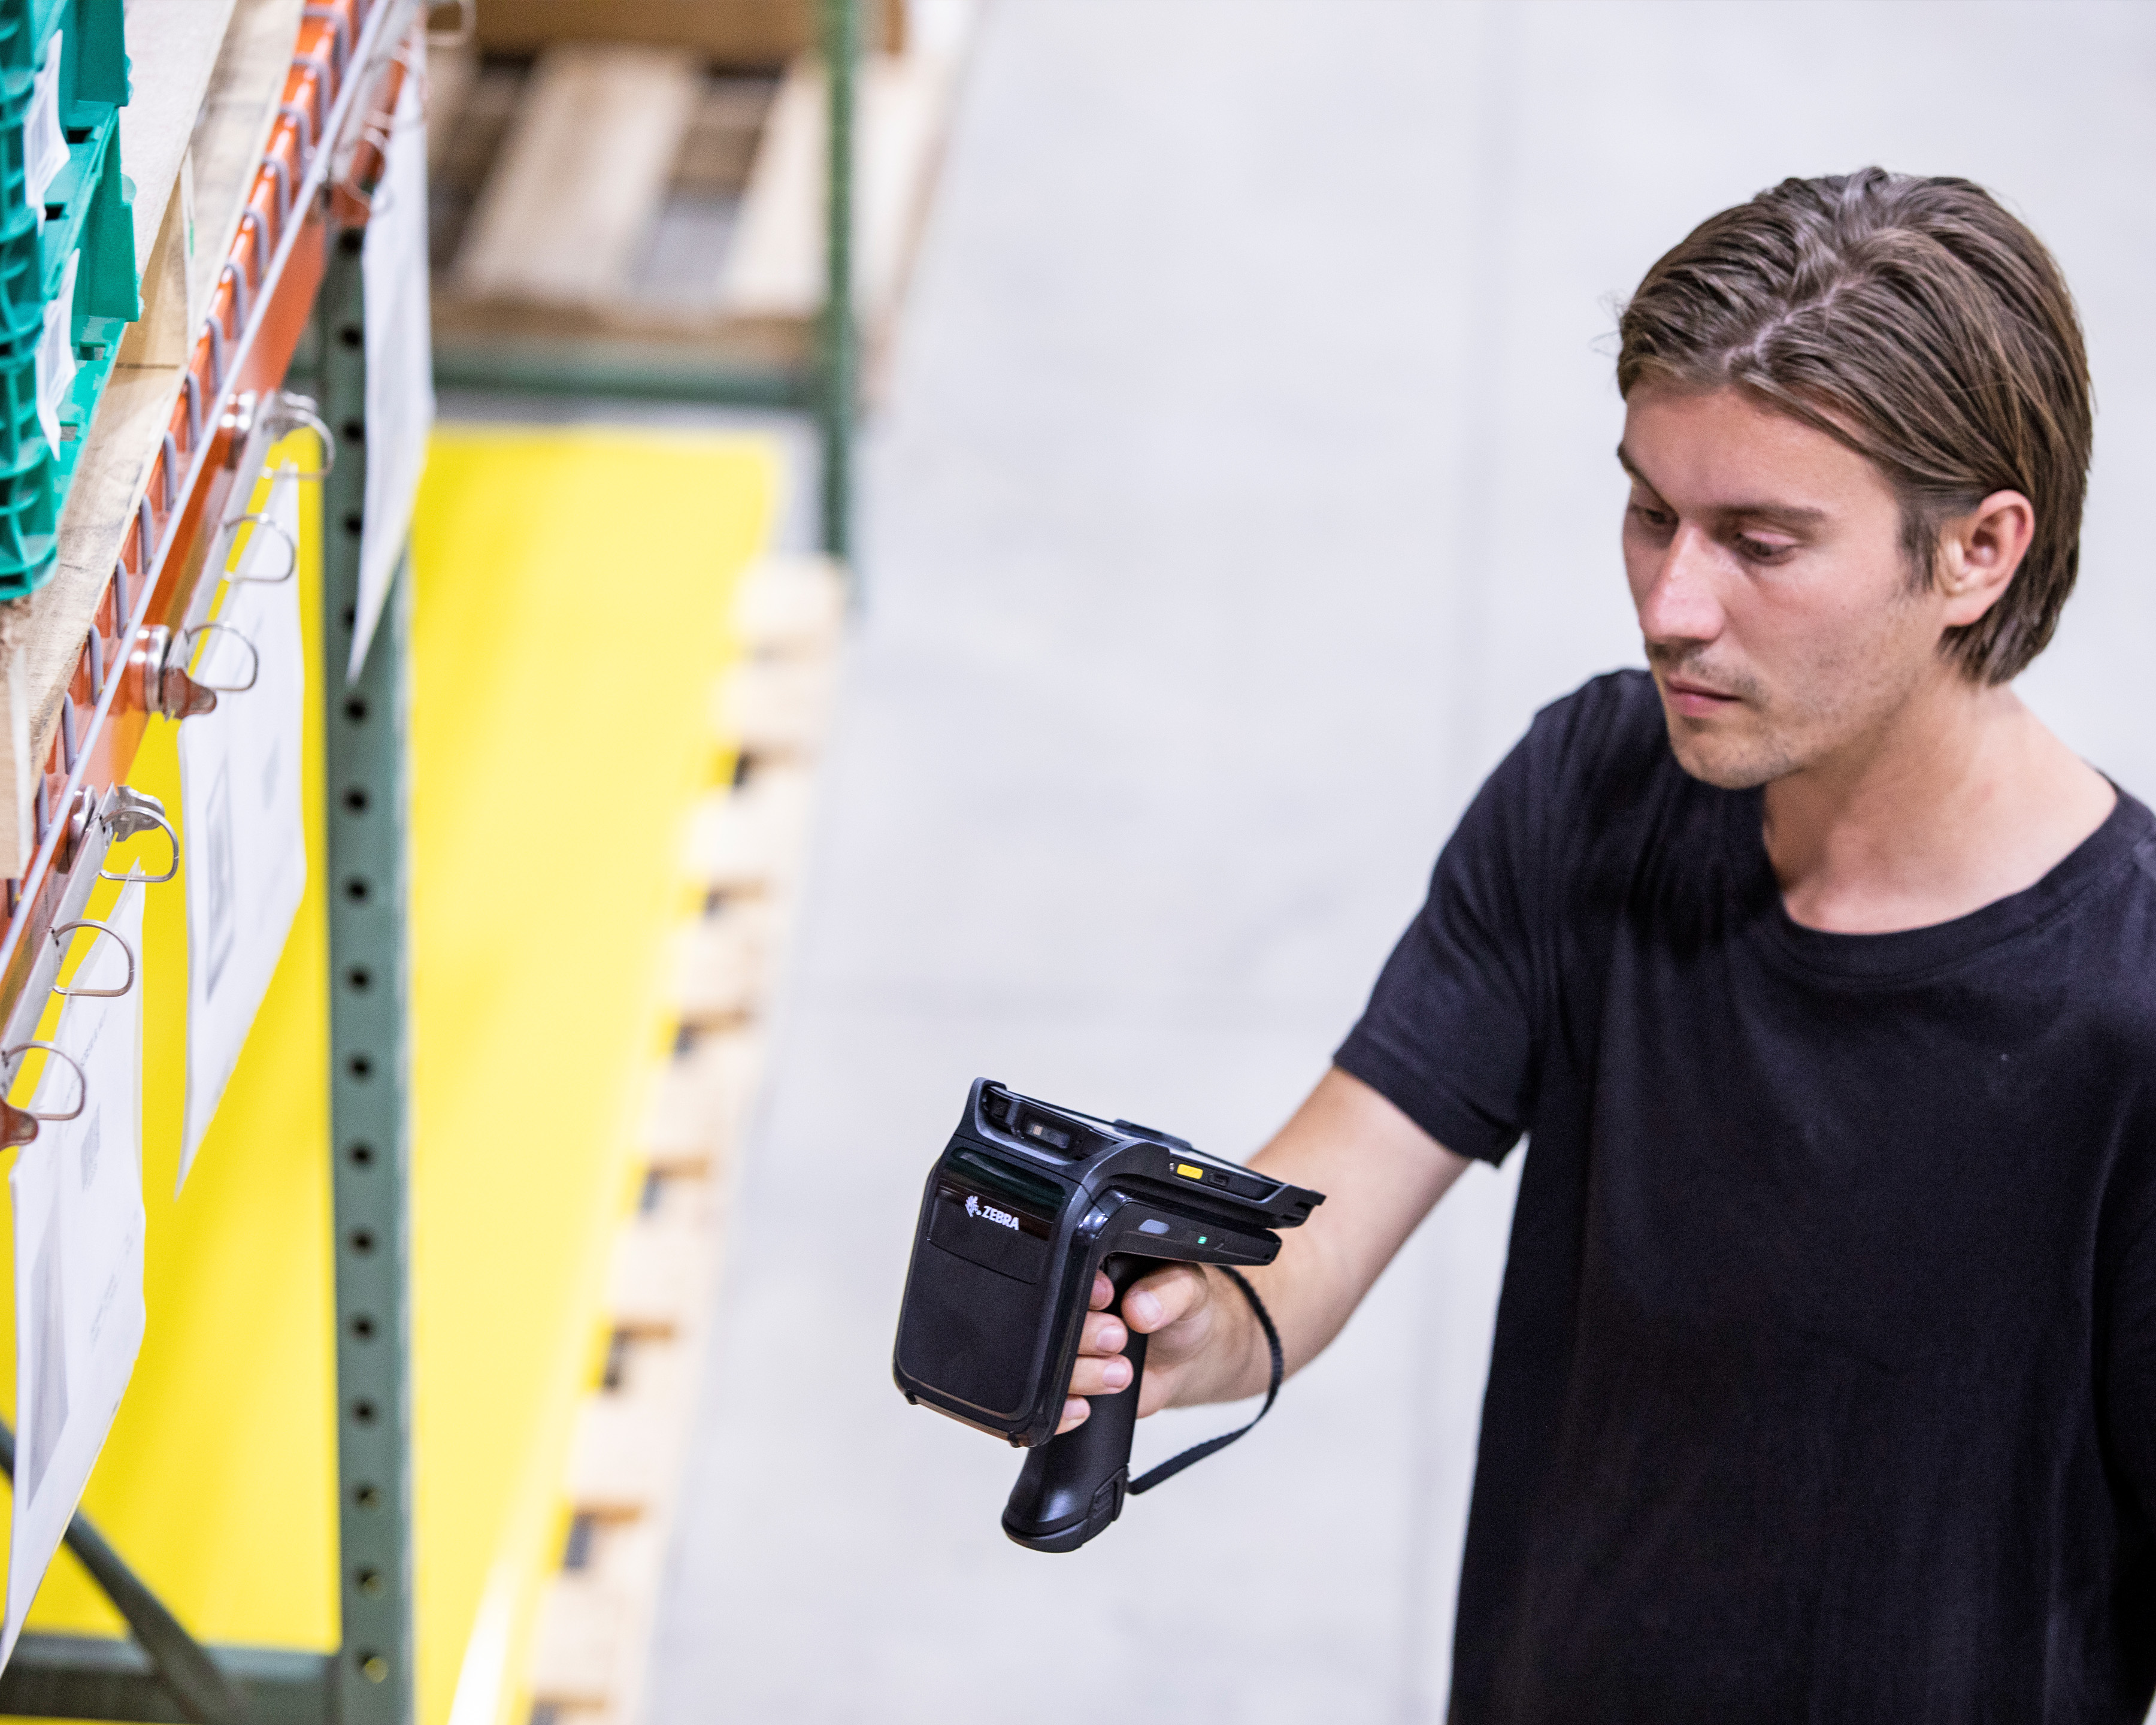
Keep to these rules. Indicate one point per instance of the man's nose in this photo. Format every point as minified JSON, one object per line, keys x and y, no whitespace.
{"x":1680,"y":606}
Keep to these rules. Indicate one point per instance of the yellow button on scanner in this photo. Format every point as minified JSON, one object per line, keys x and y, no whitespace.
{"x":1189,"y":1172}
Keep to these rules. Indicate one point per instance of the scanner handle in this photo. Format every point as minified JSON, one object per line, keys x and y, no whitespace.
{"x":1071,"y":1487}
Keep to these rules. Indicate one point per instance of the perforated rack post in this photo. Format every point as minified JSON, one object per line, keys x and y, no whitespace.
{"x":370,"y":1069}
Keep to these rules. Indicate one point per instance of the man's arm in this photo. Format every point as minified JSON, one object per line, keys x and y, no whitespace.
{"x":1380,"y":1174}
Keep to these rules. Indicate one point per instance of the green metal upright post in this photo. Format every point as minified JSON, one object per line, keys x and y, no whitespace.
{"x":838,"y":356}
{"x":370,"y":1101}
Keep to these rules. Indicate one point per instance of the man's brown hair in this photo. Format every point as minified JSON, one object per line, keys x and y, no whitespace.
{"x":1916,"y":322}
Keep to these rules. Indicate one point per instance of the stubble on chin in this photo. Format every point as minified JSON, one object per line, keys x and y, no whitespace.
{"x":1734,"y":752}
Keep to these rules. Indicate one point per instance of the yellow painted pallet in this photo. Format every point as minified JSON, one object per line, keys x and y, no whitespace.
{"x":574,"y":593}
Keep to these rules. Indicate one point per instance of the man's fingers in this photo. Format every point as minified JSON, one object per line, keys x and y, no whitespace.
{"x":1102,"y":1334}
{"x":1104,"y":1291}
{"x":1163,"y":1297}
{"x":1074,"y":1414}
{"x":1096,"y":1376}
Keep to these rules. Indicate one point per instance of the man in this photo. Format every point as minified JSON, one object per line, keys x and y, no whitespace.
{"x":1822,"y":979}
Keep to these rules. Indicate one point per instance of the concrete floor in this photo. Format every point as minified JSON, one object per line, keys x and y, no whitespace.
{"x":1243,"y":487}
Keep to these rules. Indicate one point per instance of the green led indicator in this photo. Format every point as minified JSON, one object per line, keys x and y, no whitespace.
{"x":1201,"y":1239}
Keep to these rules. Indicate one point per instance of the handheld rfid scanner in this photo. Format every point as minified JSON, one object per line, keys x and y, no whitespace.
{"x":1026,"y":1203}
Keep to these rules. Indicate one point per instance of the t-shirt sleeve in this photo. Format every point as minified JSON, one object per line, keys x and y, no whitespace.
{"x":2129,"y":1368}
{"x":1450,"y":1035}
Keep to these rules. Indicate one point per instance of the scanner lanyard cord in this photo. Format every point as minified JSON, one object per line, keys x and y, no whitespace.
{"x":1198,"y":1452}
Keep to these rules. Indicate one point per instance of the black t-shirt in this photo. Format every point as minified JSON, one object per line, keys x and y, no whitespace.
{"x":1825,"y":1382}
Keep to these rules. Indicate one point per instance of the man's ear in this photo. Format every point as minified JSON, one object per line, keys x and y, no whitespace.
{"x":1978,"y":553}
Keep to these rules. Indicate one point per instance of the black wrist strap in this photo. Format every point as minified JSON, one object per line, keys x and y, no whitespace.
{"x":1198,"y":1452}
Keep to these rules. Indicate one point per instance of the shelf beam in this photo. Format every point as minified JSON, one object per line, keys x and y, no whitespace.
{"x":92,"y":1677}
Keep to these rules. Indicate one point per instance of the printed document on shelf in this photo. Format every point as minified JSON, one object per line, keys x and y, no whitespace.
{"x":44,"y":144}
{"x":400,"y":362}
{"x":55,"y":367}
{"x":242,"y":830}
{"x":77,"y":1195}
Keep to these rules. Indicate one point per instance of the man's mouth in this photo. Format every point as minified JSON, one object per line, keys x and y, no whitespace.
{"x":1697,"y":700}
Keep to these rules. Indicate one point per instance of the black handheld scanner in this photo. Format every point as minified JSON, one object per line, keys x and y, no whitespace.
{"x":1026,"y":1203}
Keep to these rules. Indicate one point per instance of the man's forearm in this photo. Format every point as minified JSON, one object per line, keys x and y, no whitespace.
{"x":1380,"y":1174}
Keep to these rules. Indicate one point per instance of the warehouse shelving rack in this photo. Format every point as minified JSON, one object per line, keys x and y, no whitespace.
{"x":828,"y":387}
{"x":287,"y":307}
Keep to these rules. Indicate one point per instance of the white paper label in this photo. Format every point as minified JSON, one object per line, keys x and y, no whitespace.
{"x":56,"y":354}
{"x":400,"y":366}
{"x":241,"y":826}
{"x":44,"y":144}
{"x":77,"y":1193}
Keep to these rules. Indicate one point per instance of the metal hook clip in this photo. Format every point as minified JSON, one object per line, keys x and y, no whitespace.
{"x":59,"y":940}
{"x":285,"y":411}
{"x":251,"y":224}
{"x":165,"y":688}
{"x":127,"y":812}
{"x":253,"y":659}
{"x":275,"y":164}
{"x":231,"y":272}
{"x":302,"y":123}
{"x":340,"y":47}
{"x":263,"y":523}
{"x":325,"y":82}
{"x":8,"y":1055}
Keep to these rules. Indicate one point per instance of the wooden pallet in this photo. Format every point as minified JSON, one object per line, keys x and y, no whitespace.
{"x":593,"y":1636}
{"x":647,"y":193}
{"x":730,"y":33}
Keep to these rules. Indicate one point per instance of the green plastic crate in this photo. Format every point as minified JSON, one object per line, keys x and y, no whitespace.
{"x":84,"y":220}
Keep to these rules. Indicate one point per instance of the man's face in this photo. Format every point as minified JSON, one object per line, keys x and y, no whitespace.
{"x":1766,"y":564}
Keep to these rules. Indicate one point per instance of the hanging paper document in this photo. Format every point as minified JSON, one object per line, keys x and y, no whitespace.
{"x":77,"y":1192}
{"x":244,"y":836}
{"x":400,"y":362}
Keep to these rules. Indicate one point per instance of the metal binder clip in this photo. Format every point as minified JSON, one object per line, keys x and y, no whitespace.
{"x":165,"y":687}
{"x":9,"y":1055}
{"x":187,"y":646}
{"x":59,"y":940}
{"x":18,"y":1126}
{"x":127,"y":812}
{"x":264,"y":524}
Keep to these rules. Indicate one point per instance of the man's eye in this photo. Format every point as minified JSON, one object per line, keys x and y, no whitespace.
{"x":1758,"y":551}
{"x":1659,"y":519}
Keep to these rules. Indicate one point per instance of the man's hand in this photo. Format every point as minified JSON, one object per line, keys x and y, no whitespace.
{"x":1174,"y":1306}
{"x":1380,"y":1174}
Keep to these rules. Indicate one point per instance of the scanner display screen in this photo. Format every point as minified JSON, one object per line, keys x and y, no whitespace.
{"x":1024,"y":1187}
{"x":994,"y":1214}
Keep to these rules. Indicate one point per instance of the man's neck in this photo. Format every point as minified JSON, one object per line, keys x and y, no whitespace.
{"x":1964,"y":798}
